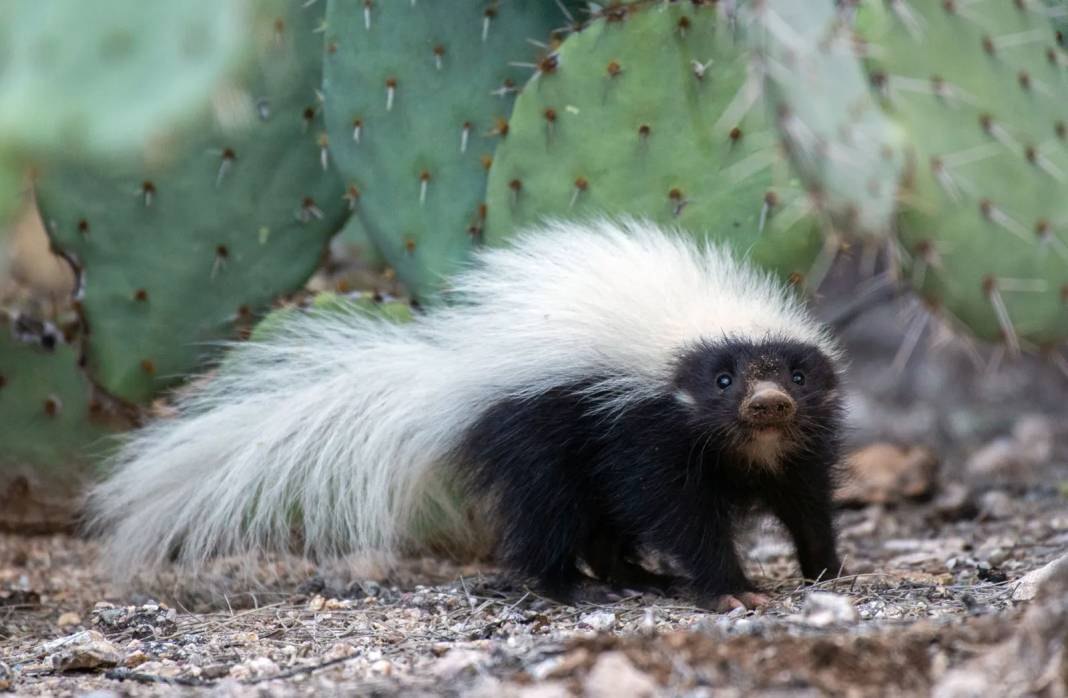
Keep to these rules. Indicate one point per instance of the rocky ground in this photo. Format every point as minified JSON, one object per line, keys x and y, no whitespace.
{"x":934,"y":589}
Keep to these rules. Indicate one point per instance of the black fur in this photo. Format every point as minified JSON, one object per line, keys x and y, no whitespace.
{"x":667,"y":475}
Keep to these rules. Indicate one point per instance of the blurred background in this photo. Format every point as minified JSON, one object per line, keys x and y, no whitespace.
{"x":178,"y":171}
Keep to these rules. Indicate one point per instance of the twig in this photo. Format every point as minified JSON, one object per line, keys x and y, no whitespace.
{"x":123,"y":674}
{"x":300,"y":670}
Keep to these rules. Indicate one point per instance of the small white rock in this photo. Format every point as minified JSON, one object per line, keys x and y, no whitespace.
{"x":599,"y":620}
{"x":1035,"y":434}
{"x":69,"y":619}
{"x":613,"y":676}
{"x":262,"y":666}
{"x":85,"y":650}
{"x":995,"y":504}
{"x":339,"y":650}
{"x":1002,"y":455}
{"x":70,"y":640}
{"x":824,"y":608}
{"x":383,"y":667}
{"x":456,"y":661}
{"x":1031,"y":583}
{"x":135,"y":659}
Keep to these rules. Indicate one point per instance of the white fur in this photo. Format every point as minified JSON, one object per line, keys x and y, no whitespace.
{"x":344,"y":424}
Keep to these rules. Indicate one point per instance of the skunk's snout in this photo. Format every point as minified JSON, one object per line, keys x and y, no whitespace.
{"x":768,"y":405}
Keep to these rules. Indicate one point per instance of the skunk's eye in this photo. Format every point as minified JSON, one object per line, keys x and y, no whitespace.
{"x":798,"y":378}
{"x":724,"y":381}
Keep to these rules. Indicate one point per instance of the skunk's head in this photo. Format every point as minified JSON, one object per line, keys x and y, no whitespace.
{"x":761,"y":399}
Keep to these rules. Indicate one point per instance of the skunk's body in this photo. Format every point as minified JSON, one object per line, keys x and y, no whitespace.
{"x":603,"y":390}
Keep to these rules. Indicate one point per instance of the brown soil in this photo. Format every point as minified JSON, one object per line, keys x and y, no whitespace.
{"x":929,"y":593}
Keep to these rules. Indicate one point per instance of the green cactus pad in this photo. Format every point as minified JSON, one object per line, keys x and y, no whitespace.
{"x":172,"y":255}
{"x":10,"y":192}
{"x":51,"y":426}
{"x":834,"y":130}
{"x":979,"y":89}
{"x":364,"y":303}
{"x":417,"y":97}
{"x":108,"y":75}
{"x":653,"y":111}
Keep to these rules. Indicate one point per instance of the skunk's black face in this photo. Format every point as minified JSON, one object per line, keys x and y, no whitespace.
{"x":762,"y":400}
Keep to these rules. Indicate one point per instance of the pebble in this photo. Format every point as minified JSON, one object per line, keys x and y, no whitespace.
{"x":998,"y":556}
{"x":1015,"y":456}
{"x":956,"y":502}
{"x":883,"y":473}
{"x":69,"y":619}
{"x":84,"y":650}
{"x":613,"y":675}
{"x":825,"y":608}
{"x":1028,"y":586}
{"x":262,"y":666}
{"x":457,"y":661}
{"x":135,"y":659}
{"x":599,"y":620}
{"x":995,"y":504}
{"x":383,"y":667}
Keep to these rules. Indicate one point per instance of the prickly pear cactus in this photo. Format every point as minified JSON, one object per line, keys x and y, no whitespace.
{"x":984,"y":206}
{"x":172,"y":255}
{"x":51,"y":425}
{"x":108,"y":75}
{"x":652,"y":110}
{"x":417,"y":98}
{"x":833,"y":129}
{"x":10,"y":192}
{"x":363,"y":302}
{"x":1058,"y":14}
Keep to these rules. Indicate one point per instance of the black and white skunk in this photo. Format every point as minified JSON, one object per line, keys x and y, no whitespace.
{"x":602,"y":390}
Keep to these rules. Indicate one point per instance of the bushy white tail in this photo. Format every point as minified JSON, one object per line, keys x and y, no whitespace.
{"x":332,"y":426}
{"x":341,"y":426}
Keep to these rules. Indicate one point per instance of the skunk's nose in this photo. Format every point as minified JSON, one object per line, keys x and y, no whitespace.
{"x":768,"y":404}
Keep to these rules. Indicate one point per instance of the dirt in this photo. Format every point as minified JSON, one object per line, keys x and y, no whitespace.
{"x":928,"y":593}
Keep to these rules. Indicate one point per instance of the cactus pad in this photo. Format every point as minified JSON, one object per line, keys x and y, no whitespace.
{"x":835,"y":133}
{"x":110,"y":74}
{"x":652,"y":110}
{"x":362,"y":302}
{"x":172,"y":255}
{"x":10,"y":192}
{"x":417,"y":98}
{"x":984,"y":207}
{"x":51,"y":425}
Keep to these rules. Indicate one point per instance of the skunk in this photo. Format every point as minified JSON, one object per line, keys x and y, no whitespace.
{"x":603,"y":390}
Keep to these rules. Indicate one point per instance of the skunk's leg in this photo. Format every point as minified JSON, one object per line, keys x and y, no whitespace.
{"x":697,"y":528}
{"x":601,"y":548}
{"x":631,"y":575}
{"x":544,"y":521}
{"x":610,"y":553}
{"x":522,"y":455}
{"x":803,"y":504}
